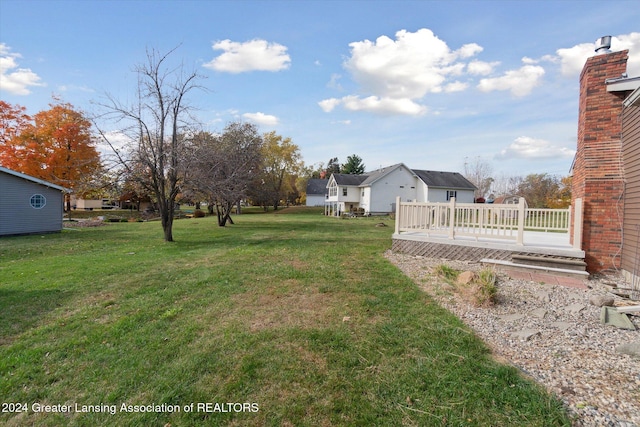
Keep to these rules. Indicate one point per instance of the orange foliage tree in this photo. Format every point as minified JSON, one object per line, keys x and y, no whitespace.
{"x":56,"y":146}
{"x":13,"y":120}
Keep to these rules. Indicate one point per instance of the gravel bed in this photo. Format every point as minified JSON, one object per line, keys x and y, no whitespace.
{"x":563,"y":345}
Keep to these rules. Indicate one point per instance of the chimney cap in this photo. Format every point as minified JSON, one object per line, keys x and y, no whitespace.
{"x":603,"y":44}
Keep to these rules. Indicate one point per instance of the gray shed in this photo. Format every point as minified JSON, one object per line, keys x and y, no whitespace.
{"x":29,"y":205}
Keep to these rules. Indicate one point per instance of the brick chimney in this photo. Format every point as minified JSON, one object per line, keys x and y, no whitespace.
{"x":597,"y":170}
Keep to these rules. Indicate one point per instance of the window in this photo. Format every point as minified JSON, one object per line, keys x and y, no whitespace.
{"x":38,"y":201}
{"x":333,"y":190}
{"x":450,"y":194}
{"x":344,"y":191}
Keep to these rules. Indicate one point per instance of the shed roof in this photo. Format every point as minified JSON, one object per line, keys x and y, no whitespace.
{"x":33,"y":179}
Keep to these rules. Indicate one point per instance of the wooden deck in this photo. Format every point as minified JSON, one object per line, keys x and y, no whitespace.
{"x":556,"y":244}
{"x":472,"y":232}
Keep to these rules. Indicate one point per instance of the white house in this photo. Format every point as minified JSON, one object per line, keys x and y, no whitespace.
{"x":316,"y":192}
{"x":376,"y":191}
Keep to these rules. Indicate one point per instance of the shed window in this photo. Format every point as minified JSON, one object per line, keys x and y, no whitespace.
{"x":38,"y":201}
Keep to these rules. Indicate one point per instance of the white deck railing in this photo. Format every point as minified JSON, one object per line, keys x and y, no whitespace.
{"x":495,"y":221}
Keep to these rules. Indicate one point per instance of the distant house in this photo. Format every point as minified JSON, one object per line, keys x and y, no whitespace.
{"x":376,"y":191}
{"x":316,"y":192}
{"x":29,"y":205}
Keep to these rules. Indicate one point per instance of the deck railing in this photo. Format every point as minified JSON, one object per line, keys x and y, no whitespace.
{"x":495,"y":221}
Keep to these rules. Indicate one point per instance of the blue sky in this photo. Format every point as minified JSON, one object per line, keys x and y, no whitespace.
{"x":431,"y":84}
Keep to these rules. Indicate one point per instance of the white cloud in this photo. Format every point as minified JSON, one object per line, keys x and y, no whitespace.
{"x":261,"y":118}
{"x":456,"y":87}
{"x":519,"y":82}
{"x":254,"y":55}
{"x":572,"y":59}
{"x":13,"y":79}
{"x":374,"y":104}
{"x":481,"y":68}
{"x":328,"y":105}
{"x":396,"y":73}
{"x":410,"y":66}
{"x":525,"y":147}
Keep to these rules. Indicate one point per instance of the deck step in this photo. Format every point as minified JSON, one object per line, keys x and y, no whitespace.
{"x":509,"y":265}
{"x":551,"y":262}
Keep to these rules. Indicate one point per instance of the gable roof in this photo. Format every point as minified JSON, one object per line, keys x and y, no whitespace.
{"x":367,"y":178}
{"x":33,"y":179}
{"x":349,"y":179}
{"x":377,"y":174}
{"x":437,"y":179}
{"x":317,"y":186}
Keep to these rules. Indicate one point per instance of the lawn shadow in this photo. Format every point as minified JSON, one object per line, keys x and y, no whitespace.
{"x":21,"y":310}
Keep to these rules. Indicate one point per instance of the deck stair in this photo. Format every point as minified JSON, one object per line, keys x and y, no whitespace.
{"x":555,"y":265}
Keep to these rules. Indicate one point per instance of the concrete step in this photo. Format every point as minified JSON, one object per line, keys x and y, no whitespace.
{"x":551,"y":262}
{"x":513,"y":266}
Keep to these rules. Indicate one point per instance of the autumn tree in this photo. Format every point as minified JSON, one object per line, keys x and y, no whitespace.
{"x":224,"y":166}
{"x":157,"y":123}
{"x":281,"y":160}
{"x":353,"y":165}
{"x":539,"y":189}
{"x":13,"y":120}
{"x":57,"y":146}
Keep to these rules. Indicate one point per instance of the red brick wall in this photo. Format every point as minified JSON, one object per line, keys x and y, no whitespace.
{"x":597,"y":170}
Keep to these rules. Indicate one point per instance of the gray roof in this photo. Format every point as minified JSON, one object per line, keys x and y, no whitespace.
{"x":34,"y":179}
{"x":317,"y":186}
{"x":349,"y":179}
{"x":437,"y":179}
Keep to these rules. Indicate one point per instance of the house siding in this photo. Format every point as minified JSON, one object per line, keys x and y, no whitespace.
{"x":440,"y":195}
{"x":630,"y":262}
{"x":399,"y":183}
{"x":316,"y":200}
{"x":17,"y":216}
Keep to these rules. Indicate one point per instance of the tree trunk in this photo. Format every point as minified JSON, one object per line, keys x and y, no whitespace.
{"x":166,"y":213}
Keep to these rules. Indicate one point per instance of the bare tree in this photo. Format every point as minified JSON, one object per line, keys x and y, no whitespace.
{"x":478,"y":171}
{"x":156,"y":124}
{"x":224,"y":166}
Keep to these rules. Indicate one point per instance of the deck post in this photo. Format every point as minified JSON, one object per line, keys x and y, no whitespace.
{"x":397,"y":215}
{"x":577,"y":224}
{"x":452,"y":218}
{"x":521,"y":220}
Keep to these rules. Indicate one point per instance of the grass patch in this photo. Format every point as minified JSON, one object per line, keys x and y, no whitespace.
{"x":297,"y":313}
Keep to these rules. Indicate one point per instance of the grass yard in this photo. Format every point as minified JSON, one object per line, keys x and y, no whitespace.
{"x":281,"y":319}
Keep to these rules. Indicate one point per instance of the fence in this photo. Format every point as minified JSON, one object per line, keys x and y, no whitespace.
{"x":495,"y":221}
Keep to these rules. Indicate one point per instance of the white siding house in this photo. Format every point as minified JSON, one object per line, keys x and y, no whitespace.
{"x":316,"y":192}
{"x":376,"y":191}
{"x":29,"y":205}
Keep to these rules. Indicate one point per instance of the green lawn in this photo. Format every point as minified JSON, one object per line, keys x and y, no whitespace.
{"x":296,"y":318}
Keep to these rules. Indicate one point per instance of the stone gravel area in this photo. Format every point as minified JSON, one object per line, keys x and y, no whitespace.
{"x":552,"y":334}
